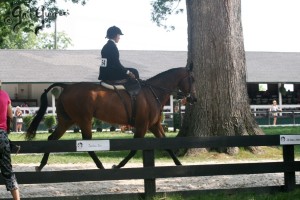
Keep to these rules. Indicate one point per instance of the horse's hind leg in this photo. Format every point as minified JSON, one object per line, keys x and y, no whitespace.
{"x":45,"y":158}
{"x":43,"y":162}
{"x":57,"y":133}
{"x":87,"y":135}
{"x":158,"y":131}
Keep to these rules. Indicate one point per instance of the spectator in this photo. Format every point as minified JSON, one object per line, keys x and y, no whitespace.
{"x":19,"y":119}
{"x":274,"y":109}
{"x":5,"y":159}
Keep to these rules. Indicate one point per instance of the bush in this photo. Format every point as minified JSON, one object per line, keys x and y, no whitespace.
{"x":163,"y":117}
{"x":55,"y":91}
{"x":49,"y":121}
{"x":112,"y":128}
{"x":27,"y":120}
{"x":97,"y":124}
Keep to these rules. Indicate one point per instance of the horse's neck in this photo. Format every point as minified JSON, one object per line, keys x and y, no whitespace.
{"x":164,"y":85}
{"x":167,"y":80}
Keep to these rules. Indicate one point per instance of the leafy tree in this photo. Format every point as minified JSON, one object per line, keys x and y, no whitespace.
{"x":22,"y":40}
{"x":46,"y":41}
{"x":19,"y":40}
{"x":216,"y":49}
{"x":28,"y":16}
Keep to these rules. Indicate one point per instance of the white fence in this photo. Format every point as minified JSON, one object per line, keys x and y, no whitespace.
{"x":32,"y":110}
{"x":168,"y":110}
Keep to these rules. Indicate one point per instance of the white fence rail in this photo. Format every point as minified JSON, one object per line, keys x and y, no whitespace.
{"x":168,"y":110}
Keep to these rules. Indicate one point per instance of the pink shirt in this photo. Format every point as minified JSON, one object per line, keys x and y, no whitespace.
{"x":4,"y":102}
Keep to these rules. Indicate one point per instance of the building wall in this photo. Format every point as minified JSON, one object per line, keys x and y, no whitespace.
{"x":29,"y":94}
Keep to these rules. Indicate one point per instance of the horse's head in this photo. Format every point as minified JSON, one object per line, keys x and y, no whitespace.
{"x":187,"y":87}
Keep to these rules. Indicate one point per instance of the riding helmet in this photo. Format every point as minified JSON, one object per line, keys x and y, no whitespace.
{"x":112,"y":32}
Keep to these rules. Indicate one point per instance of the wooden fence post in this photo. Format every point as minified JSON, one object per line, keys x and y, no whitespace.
{"x":149,"y":184}
{"x":289,"y":176}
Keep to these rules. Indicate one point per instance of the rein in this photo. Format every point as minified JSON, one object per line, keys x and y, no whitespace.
{"x":169,"y":91}
{"x":166,"y":90}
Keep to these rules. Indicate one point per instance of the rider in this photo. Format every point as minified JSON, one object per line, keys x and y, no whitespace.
{"x":111,"y":67}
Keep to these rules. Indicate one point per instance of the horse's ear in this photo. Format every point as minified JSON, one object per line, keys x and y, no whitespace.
{"x":190,"y":67}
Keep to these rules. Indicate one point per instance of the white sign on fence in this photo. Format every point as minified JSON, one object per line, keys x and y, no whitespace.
{"x":92,"y":145}
{"x":289,"y":139}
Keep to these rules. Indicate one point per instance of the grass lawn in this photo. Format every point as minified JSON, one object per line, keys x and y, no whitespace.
{"x":293,"y":195}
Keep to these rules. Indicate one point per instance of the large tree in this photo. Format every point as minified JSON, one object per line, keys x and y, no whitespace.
{"x":216,"y":49}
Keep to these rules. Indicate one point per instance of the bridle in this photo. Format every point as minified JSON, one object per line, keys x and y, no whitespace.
{"x":191,"y":80}
{"x":168,"y":91}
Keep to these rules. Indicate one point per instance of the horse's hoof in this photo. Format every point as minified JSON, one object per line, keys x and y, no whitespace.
{"x":115,"y":167}
{"x":38,"y":169}
{"x":178,"y":163}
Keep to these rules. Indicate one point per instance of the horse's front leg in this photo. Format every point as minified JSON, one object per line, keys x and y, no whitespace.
{"x":96,"y":159}
{"x":87,"y":135}
{"x":138,"y":133}
{"x":158,"y":131}
{"x":125,"y":160}
{"x":173,"y":156}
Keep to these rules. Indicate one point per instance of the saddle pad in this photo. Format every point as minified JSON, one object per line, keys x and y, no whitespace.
{"x":111,"y":87}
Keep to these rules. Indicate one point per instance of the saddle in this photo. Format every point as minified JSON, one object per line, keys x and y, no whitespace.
{"x":132,"y":87}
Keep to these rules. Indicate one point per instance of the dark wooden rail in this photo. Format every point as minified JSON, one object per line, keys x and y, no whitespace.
{"x":149,"y":172}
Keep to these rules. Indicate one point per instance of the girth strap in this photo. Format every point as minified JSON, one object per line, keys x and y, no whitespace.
{"x":133,"y":105}
{"x":131,"y":119}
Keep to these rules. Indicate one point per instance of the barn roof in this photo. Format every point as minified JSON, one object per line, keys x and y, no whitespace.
{"x":48,"y":66}
{"x":273,"y":67}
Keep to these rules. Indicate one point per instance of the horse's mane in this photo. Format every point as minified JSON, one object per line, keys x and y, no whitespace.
{"x":163,"y":74}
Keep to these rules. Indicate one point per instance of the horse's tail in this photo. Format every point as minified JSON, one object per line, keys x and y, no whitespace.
{"x":31,"y":131}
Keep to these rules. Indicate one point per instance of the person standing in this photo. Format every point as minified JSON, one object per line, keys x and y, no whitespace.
{"x":19,"y":119}
{"x":111,"y":67}
{"x":274,"y":109}
{"x":5,"y":158}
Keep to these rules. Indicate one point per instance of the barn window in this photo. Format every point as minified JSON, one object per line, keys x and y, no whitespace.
{"x":262,"y":87}
{"x":289,"y":87}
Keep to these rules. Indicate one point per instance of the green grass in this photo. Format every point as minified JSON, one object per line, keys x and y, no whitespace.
{"x":293,"y":195}
{"x":278,"y":130}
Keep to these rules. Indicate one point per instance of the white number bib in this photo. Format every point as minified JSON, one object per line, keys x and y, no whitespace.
{"x":103,"y":62}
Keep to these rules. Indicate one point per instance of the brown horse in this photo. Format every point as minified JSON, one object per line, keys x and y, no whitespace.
{"x":80,"y":102}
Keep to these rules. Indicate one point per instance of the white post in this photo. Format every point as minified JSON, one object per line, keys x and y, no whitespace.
{"x":279,"y":96}
{"x":171,"y":104}
{"x":53,"y":105}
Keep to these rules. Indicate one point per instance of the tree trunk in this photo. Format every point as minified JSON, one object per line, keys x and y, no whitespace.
{"x":216,"y":48}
